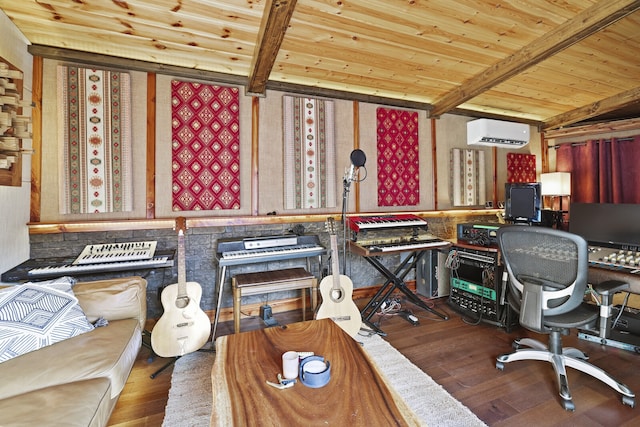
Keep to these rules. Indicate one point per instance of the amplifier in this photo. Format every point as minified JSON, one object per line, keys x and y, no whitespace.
{"x":629,"y":320}
{"x":476,"y":287}
{"x":479,"y":234}
{"x":432,"y":277}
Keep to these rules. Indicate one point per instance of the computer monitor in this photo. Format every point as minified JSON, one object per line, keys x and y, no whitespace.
{"x":523,"y":202}
{"x":602,"y":224}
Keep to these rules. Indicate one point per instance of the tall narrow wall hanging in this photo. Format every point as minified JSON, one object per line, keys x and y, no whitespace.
{"x":309,"y":153}
{"x":205,"y":143}
{"x":398,"y":161}
{"x":468,"y":186}
{"x":521,"y":167}
{"x":94,"y":114}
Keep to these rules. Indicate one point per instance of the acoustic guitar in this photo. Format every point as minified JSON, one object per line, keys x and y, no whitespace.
{"x":337,"y":290}
{"x":183,"y":327}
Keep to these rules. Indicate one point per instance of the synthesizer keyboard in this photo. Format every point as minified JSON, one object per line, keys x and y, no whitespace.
{"x":73,"y":269}
{"x":235,"y":251}
{"x":375,"y":222}
{"x":46,"y":268}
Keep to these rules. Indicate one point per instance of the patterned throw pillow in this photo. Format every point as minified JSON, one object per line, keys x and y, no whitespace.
{"x":35,"y":315}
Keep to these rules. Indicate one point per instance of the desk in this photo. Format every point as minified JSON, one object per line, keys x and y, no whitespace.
{"x":599,"y":275}
{"x":356,"y":394}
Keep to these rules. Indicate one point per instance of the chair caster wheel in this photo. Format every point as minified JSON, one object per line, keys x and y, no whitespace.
{"x":515,"y":345}
{"x":629,"y":401}
{"x":568,"y":405}
{"x":500,"y":366}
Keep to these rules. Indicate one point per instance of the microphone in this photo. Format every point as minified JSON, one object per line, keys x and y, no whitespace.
{"x":358,"y":159}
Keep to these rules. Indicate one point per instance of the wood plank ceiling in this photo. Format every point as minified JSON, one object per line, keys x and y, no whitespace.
{"x":547,"y":62}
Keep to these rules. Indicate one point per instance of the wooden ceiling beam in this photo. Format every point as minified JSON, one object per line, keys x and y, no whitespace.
{"x":603,"y":106}
{"x":127,"y":64}
{"x":593,"y":129}
{"x":581,"y":26}
{"x":275,"y":21}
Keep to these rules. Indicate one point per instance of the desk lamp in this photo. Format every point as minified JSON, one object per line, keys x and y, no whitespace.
{"x":556,"y":184}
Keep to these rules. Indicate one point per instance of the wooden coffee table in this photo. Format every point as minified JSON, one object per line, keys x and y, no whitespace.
{"x":356,"y":394}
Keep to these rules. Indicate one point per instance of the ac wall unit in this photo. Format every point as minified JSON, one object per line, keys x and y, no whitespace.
{"x":497,"y":133}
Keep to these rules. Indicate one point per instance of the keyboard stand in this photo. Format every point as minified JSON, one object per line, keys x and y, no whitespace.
{"x":395,"y":281}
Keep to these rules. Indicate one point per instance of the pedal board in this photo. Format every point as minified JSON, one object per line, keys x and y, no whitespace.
{"x":266,"y":315}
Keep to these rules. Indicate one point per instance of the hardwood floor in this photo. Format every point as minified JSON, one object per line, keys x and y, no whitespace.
{"x":461,"y":357}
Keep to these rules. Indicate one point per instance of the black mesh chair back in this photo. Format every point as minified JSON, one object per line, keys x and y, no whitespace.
{"x":547,"y":272}
{"x":547,"y":269}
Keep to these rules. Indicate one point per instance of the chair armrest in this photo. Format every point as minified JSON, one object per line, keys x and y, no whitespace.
{"x":610,"y":287}
{"x":531,"y":308}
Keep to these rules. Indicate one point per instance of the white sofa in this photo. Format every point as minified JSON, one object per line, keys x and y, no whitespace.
{"x":77,"y":381}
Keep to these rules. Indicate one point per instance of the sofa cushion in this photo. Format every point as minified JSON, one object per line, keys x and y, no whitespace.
{"x":83,"y":403}
{"x":109,"y":351}
{"x":114,"y":299}
{"x":35,"y":315}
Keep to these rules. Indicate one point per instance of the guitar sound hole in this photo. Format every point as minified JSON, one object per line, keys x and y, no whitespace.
{"x":182,"y":302}
{"x":337,"y":295}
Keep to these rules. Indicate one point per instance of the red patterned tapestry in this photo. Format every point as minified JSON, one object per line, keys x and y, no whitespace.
{"x":205,"y":142}
{"x":398,"y":162}
{"x":309,"y":153}
{"x":94,"y":114}
{"x":521,"y":167}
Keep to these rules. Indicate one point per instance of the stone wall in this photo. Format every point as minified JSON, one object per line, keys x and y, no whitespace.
{"x":200,"y":255}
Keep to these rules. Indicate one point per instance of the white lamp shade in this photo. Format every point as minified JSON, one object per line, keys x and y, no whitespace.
{"x":556,"y":184}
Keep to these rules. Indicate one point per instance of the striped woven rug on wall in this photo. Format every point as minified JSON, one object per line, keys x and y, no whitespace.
{"x":468,"y":178}
{"x":205,"y":144}
{"x":94,"y":131}
{"x":309,"y":153}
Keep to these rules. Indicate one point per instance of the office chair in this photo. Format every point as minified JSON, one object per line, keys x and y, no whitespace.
{"x":547,"y":273}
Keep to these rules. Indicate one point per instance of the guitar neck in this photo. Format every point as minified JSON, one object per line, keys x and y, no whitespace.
{"x":335,"y":265}
{"x":182,"y":274}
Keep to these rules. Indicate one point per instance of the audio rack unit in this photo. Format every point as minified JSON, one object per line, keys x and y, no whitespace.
{"x":476,"y":287}
{"x":485,"y":235}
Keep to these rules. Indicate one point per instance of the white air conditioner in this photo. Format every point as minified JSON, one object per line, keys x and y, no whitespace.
{"x":497,"y":133}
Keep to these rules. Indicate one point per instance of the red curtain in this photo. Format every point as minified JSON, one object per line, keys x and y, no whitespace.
{"x":602,"y":171}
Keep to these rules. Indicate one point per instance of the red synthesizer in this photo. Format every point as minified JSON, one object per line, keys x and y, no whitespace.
{"x":360,"y":223}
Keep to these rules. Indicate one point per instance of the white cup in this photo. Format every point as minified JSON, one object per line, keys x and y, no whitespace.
{"x":290,"y":362}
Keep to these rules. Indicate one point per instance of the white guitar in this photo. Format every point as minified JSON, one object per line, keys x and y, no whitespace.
{"x":336,"y":290}
{"x":183,"y":327}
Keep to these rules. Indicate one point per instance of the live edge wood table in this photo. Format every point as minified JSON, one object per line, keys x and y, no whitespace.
{"x":356,"y":395}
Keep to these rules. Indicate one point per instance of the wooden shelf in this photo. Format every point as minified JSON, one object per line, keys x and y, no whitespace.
{"x":13,"y":126}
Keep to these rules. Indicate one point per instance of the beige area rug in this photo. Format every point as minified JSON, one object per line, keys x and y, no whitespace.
{"x":189,"y":403}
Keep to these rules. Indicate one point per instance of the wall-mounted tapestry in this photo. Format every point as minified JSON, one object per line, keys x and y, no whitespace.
{"x":398,"y":160}
{"x":309,"y":153}
{"x":468,"y":183}
{"x":94,"y":115}
{"x":205,"y":143}
{"x":521,"y":167}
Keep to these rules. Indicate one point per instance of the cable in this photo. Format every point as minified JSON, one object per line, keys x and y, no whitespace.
{"x":453,"y":260}
{"x":624,"y":304}
{"x":390,"y":308}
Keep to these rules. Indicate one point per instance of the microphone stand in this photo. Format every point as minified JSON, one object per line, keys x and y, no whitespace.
{"x":358,"y":159}
{"x":346,"y":184}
